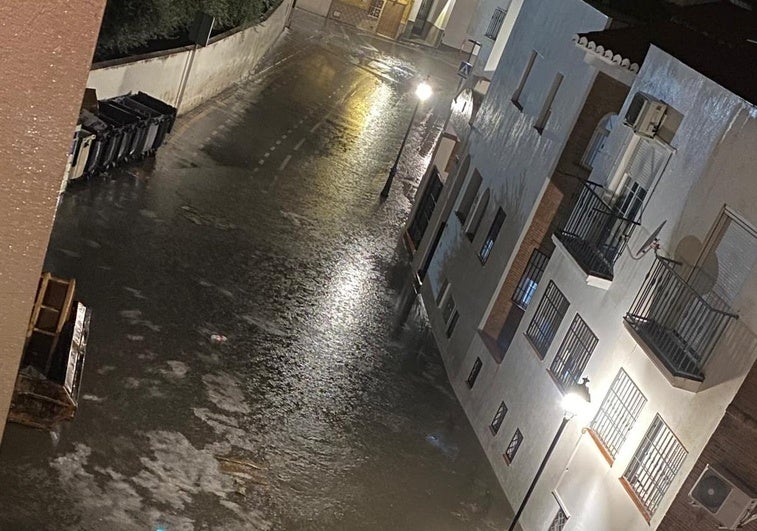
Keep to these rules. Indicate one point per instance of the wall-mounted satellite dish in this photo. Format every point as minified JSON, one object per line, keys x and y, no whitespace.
{"x":651,"y":243}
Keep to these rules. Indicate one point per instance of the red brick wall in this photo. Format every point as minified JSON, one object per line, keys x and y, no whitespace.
{"x":606,"y":96}
{"x":733,"y":449}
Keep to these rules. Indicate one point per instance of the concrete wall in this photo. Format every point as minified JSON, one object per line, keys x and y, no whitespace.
{"x":713,"y":165}
{"x":44,"y":68}
{"x":514,"y":159}
{"x":319,"y":7}
{"x":213,"y":69}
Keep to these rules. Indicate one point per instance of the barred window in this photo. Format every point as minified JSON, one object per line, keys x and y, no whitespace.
{"x":543,"y":327}
{"x":495,"y":24}
{"x":574,"y":354}
{"x":491,"y":237}
{"x":512,"y":448}
{"x":499,"y":417}
{"x":654,"y":465}
{"x":375,"y":8}
{"x":530,"y":280}
{"x":618,"y":413}
{"x":474,"y":372}
{"x":559,"y":521}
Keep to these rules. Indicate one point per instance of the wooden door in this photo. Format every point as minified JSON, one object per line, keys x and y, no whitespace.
{"x":391,"y":16}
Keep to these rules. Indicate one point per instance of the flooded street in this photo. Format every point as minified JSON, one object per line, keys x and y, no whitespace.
{"x":247,"y":368}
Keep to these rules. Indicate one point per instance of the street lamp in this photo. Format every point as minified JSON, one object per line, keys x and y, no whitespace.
{"x":574,"y":403}
{"x":422,"y":92}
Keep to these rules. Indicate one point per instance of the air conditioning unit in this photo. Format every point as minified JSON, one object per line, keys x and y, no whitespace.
{"x":645,"y":114}
{"x":722,"y":498}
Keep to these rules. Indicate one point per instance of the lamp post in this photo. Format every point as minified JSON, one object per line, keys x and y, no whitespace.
{"x":422,"y":92}
{"x":573,"y":403}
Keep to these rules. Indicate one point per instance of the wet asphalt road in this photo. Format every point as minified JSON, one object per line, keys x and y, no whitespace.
{"x":260,"y":221}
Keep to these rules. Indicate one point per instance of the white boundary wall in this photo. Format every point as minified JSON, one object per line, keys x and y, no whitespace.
{"x":214,"y":68}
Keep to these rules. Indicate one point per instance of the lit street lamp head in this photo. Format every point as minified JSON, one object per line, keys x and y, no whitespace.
{"x":576,"y":399}
{"x":423,"y":91}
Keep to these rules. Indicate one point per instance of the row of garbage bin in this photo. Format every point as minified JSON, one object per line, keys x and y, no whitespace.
{"x":119,"y":130}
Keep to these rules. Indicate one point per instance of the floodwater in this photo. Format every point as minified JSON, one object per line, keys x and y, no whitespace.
{"x":247,"y":366}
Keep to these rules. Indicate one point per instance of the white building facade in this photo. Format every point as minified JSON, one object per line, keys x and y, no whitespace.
{"x":648,"y":287}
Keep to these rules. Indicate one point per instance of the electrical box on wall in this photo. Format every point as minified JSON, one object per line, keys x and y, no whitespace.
{"x":645,"y":114}
{"x":720,"y":496}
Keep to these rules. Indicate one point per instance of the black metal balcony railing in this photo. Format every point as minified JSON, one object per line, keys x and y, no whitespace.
{"x":679,"y":325}
{"x":596,"y":232}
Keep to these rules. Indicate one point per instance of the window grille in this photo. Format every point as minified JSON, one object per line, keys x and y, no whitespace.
{"x":618,"y":413}
{"x":512,"y":448}
{"x":559,"y":521}
{"x":499,"y":417}
{"x":374,"y":11}
{"x":452,"y":324}
{"x":543,"y":327}
{"x":491,"y":237}
{"x":574,"y":354}
{"x":530,"y":280}
{"x":474,"y":372}
{"x":495,"y":24}
{"x":426,"y":207}
{"x":655,"y":464}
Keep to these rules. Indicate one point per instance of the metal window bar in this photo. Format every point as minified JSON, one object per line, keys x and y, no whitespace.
{"x":499,"y":417}
{"x":618,"y":413}
{"x":679,"y":325}
{"x":596,"y":232}
{"x":655,"y":464}
{"x":474,"y":372}
{"x":495,"y":24}
{"x":574,"y":354}
{"x":543,"y":327}
{"x":559,"y":521}
{"x":530,"y":280}
{"x":491,"y":237}
{"x":512,"y":448}
{"x":452,"y":324}
{"x":426,"y":208}
{"x":374,"y":11}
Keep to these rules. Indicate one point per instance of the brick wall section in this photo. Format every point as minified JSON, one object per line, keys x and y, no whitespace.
{"x":47,"y":52}
{"x":606,"y":96}
{"x":733,"y":449}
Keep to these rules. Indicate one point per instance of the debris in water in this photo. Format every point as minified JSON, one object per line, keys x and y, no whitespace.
{"x":218,"y":339}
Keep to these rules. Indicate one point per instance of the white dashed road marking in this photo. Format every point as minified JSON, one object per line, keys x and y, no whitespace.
{"x":299,"y":144}
{"x":286,"y":161}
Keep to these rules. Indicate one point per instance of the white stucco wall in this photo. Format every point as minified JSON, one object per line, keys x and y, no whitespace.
{"x":497,"y":48}
{"x":214,"y":68}
{"x":457,"y":32}
{"x":713,"y":165}
{"x":514,"y":160}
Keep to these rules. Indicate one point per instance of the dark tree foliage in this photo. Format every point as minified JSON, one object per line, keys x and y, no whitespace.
{"x":130,"y":25}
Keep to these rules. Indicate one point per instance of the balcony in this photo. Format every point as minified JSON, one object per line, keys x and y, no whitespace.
{"x":676,"y":323}
{"x":596,"y":233}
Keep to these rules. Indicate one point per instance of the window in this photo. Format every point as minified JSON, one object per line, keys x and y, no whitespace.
{"x":466,"y":204}
{"x":654,"y":465}
{"x":426,"y":207}
{"x":546,"y":110}
{"x":442,"y":292}
{"x":491,"y":237}
{"x":478,"y":215}
{"x":512,"y":448}
{"x":559,"y":521}
{"x":618,"y":413}
{"x":499,"y":417}
{"x":452,"y":323}
{"x":495,"y":24}
{"x":523,"y":79}
{"x":645,"y":166}
{"x":543,"y":327}
{"x":597,"y":142}
{"x":474,"y":372}
{"x":374,"y":10}
{"x":530,"y":280}
{"x":574,"y":354}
